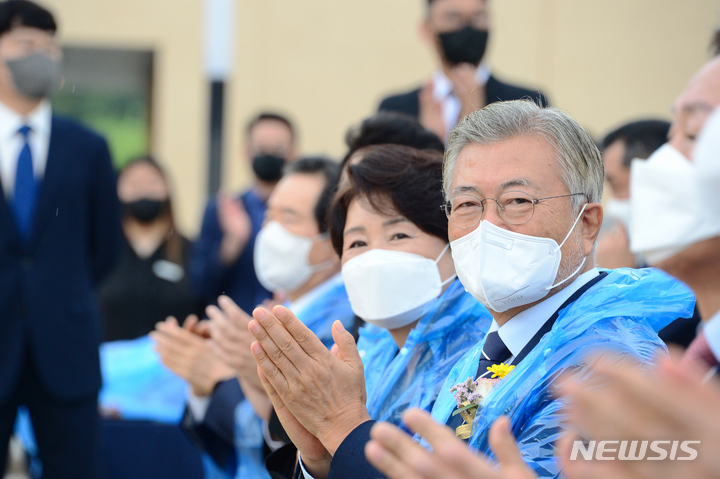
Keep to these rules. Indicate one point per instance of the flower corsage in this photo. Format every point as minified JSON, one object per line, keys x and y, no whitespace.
{"x":469,"y":395}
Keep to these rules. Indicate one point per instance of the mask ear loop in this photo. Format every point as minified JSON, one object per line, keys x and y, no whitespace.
{"x":573,"y":227}
{"x":561,"y":244}
{"x":451,"y":278}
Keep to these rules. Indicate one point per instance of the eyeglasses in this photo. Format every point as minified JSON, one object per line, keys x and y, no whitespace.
{"x":515,"y":207}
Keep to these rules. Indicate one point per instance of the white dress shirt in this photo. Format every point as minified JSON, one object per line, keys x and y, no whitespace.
{"x":451,"y":106}
{"x":521,"y":328}
{"x":12,"y":142}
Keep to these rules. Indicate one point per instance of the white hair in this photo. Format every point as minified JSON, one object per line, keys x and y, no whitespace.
{"x":577,"y":154}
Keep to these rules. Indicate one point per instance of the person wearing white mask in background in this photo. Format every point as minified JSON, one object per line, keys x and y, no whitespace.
{"x":707,"y":174}
{"x":523,"y":187}
{"x":386,"y":225}
{"x":632,"y":141}
{"x":637,"y":139}
{"x":695,"y":261}
{"x":293,"y":257}
{"x":690,"y":411}
{"x":675,"y":224}
{"x":669,"y":170}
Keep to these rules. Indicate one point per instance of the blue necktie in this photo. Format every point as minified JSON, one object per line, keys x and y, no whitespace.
{"x":25,"y":195}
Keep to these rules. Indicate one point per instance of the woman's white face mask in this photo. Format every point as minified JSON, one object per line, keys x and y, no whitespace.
{"x":391,"y":289}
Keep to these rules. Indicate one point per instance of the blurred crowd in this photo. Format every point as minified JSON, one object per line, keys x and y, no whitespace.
{"x":477,"y":289}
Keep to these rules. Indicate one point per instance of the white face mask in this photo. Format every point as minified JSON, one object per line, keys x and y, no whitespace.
{"x":503,"y":269}
{"x":281,"y":258}
{"x":706,"y":157}
{"x":618,"y":210}
{"x":390,"y":289}
{"x":668,"y":213}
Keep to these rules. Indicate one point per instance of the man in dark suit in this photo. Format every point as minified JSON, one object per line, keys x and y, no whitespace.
{"x":59,"y":233}
{"x":457,"y":32}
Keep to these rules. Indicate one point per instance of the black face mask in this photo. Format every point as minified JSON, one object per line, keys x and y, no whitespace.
{"x":268,"y":167}
{"x":145,"y":210}
{"x":466,"y":45}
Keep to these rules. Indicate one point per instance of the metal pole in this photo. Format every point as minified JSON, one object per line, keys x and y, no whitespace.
{"x":219,"y":17}
{"x":217,"y":89}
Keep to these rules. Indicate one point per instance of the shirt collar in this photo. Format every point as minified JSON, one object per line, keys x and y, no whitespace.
{"x":521,"y":328}
{"x":442,"y":86}
{"x":39,"y":120}
{"x":314,"y":294}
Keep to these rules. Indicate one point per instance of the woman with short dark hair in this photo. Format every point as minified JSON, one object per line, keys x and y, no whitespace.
{"x":391,"y":234}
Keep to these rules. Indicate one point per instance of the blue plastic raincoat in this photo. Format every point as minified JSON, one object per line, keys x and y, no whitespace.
{"x":249,"y":443}
{"x":322,"y":311}
{"x":621,"y":313}
{"x":137,"y":384}
{"x":412,"y":377}
{"x":328,"y":305}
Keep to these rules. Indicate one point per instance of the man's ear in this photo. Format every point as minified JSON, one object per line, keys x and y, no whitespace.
{"x":591,"y":222}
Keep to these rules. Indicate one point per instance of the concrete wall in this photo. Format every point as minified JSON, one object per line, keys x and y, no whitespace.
{"x":328,"y":63}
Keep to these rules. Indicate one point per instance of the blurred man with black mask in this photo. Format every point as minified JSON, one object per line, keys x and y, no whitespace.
{"x":457,"y":32}
{"x":222,"y":258}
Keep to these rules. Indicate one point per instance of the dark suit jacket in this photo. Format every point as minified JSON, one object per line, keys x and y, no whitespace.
{"x":349,"y":461}
{"x":215,"y":435}
{"x":495,"y":90}
{"x":47,"y":302}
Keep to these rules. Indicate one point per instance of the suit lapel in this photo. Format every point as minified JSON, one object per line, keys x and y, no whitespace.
{"x":8,"y":218}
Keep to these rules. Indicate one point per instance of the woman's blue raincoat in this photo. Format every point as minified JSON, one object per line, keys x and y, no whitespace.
{"x":413,"y":375}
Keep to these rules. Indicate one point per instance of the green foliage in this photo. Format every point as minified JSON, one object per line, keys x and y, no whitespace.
{"x":123,"y":118}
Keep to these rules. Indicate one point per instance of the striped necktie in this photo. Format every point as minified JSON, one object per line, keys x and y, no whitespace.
{"x":494,"y":352}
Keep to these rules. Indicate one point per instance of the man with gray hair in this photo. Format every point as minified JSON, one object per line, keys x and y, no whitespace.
{"x":523,"y":186}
